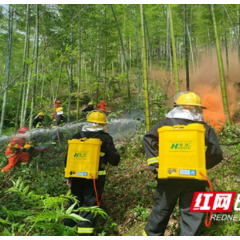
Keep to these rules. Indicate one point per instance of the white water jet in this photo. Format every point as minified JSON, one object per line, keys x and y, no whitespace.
{"x":119,"y":128}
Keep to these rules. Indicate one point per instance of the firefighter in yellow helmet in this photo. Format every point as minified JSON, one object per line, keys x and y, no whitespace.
{"x":14,"y":151}
{"x":89,"y":108}
{"x":83,"y":188}
{"x":37,"y":121}
{"x":187,"y":109}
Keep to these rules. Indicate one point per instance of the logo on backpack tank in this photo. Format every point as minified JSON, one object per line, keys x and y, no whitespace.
{"x":80,"y":155}
{"x":180,"y":146}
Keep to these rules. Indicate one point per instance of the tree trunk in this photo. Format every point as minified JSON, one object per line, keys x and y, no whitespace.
{"x":149,"y":44}
{"x":123,"y":53}
{"x":70,"y":78}
{"x":220,"y":67}
{"x":8,"y":60}
{"x":145,"y":73}
{"x":99,"y":58}
{"x":35,"y":67}
{"x":186,"y":48}
{"x":175,"y":66}
{"x":79,"y":65}
{"x":25,"y":67}
{"x":138,"y":64}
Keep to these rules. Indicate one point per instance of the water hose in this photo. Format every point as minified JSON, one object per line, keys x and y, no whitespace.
{"x":95,"y":188}
{"x":208,"y":221}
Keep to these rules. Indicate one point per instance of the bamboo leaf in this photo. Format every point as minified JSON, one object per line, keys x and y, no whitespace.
{"x":69,"y":210}
{"x":77,"y":217}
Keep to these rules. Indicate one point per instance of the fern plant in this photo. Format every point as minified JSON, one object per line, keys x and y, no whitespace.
{"x":40,"y":215}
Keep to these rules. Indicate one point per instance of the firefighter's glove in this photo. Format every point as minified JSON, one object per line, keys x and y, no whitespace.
{"x":27,"y":146}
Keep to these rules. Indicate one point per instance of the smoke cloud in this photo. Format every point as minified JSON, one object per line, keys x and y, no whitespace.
{"x":205,"y":82}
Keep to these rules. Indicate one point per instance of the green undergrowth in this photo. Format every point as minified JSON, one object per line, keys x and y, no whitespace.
{"x":127,"y":200}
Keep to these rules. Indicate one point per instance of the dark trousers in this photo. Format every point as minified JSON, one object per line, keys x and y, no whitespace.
{"x":166,"y":197}
{"x":83,"y":189}
{"x":57,"y":136}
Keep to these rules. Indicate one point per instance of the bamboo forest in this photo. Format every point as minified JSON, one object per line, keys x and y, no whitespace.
{"x":70,"y":70}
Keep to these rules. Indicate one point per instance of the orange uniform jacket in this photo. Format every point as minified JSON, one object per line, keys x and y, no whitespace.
{"x":101,"y":107}
{"x":15,"y":144}
{"x":13,"y":152}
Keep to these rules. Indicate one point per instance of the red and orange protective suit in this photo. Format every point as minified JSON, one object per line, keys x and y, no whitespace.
{"x":57,"y":105}
{"x":14,"y":153}
{"x":101,"y":106}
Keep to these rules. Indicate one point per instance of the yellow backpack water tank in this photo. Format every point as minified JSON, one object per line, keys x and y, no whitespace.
{"x":83,"y":158}
{"x":182,"y":152}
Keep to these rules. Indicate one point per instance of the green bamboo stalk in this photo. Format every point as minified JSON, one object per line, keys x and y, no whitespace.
{"x":145,"y":75}
{"x":220,"y":67}
{"x":175,"y":66}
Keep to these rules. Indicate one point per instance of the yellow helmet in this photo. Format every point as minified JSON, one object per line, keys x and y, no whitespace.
{"x":97,"y":117}
{"x":41,"y":114}
{"x":189,"y":99}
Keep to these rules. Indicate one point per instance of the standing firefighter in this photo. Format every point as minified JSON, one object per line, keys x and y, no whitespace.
{"x":187,"y":110}
{"x":102,"y":106}
{"x":37,"y":137}
{"x":14,"y":150}
{"x":58,"y":119}
{"x":82,"y":187}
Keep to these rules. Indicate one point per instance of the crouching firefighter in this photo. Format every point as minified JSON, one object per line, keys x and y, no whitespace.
{"x":86,"y":178}
{"x":15,"y":150}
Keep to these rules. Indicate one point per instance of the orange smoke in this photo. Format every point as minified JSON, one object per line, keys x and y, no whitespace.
{"x":212,"y":100}
{"x":205,"y":82}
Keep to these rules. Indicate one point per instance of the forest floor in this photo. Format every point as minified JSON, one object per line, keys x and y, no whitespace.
{"x":129,"y":191}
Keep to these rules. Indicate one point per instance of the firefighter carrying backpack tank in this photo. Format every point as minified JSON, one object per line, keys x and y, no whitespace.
{"x":182,"y":152}
{"x":83,"y":158}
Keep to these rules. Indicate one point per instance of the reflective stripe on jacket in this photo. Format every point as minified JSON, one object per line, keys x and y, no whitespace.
{"x":82,"y":230}
{"x":16,"y":142}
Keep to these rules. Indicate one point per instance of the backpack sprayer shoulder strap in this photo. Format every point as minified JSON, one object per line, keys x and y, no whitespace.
{"x":82,"y":134}
{"x":174,"y":121}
